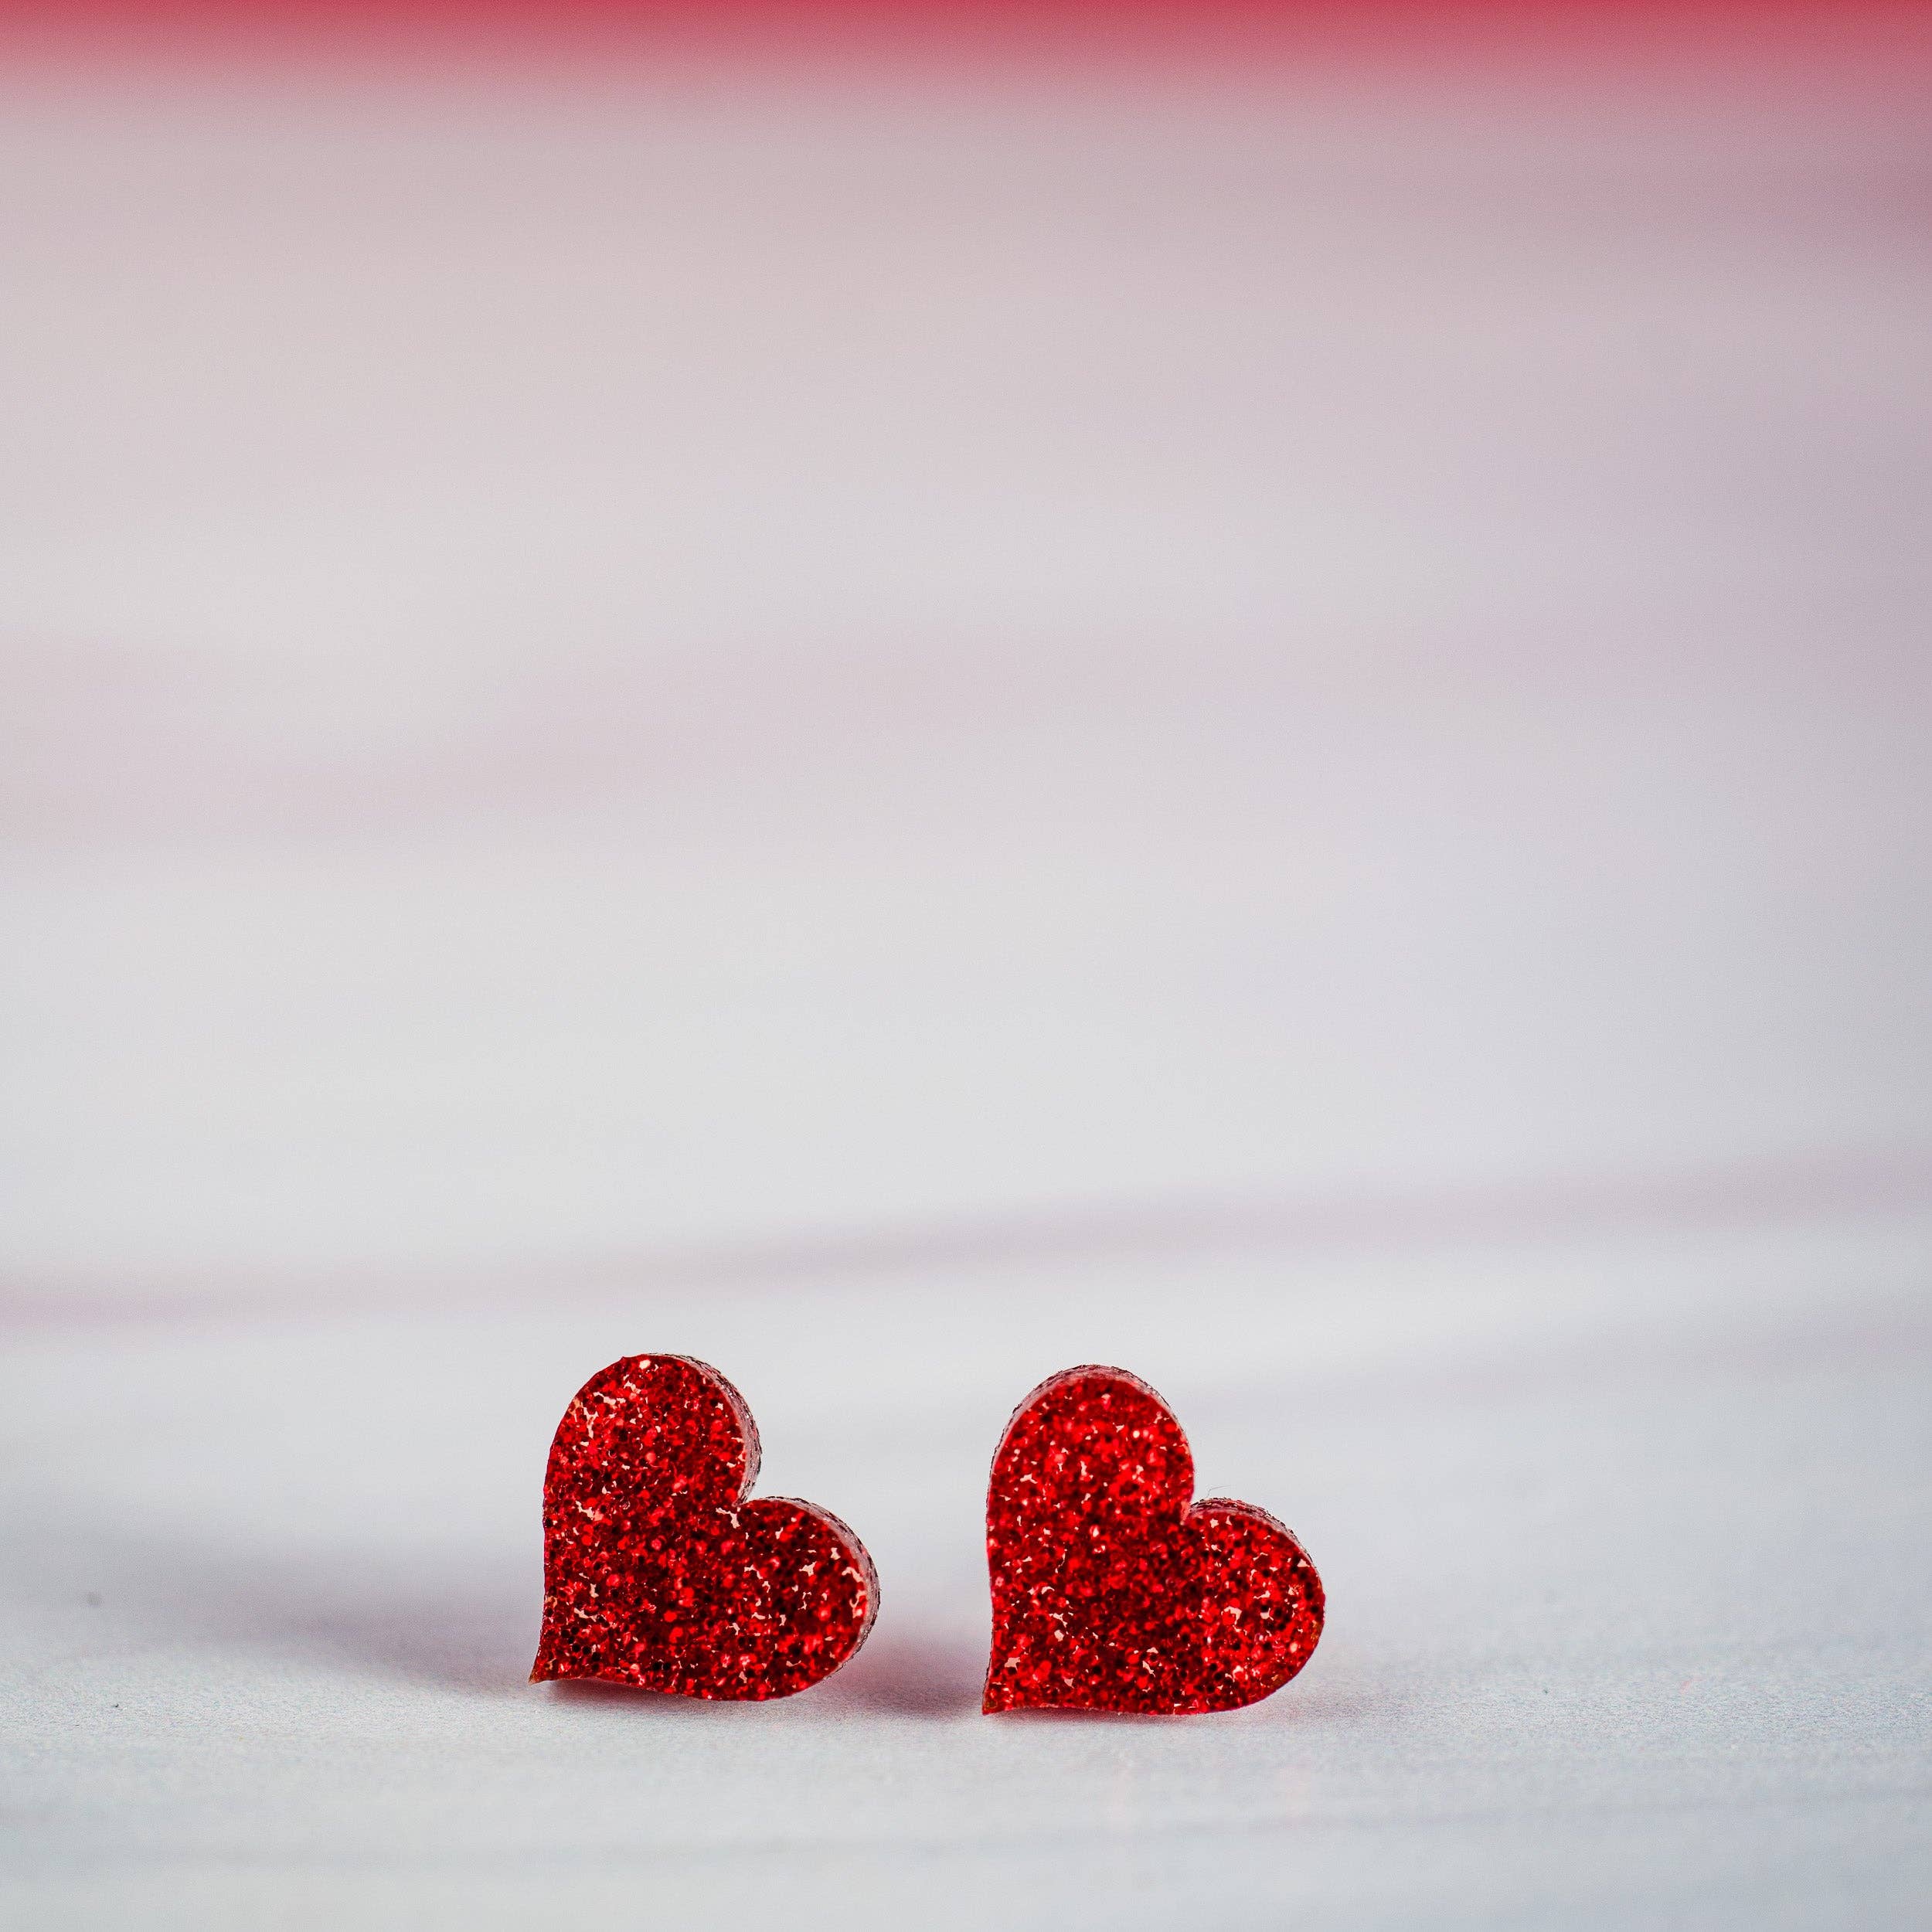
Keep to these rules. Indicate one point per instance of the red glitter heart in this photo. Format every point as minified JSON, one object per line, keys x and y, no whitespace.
{"x":1111,"y":1590}
{"x":657,"y":1572}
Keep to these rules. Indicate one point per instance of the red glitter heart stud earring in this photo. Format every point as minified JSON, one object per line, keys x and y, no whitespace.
{"x":1113,"y":1591}
{"x":657,"y":1572}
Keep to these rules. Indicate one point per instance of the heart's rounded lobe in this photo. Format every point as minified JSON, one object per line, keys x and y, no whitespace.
{"x":1112,"y":1589}
{"x":657,"y":1572}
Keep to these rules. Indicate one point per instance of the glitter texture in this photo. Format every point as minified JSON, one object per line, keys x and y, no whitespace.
{"x":656,"y":1570}
{"x":1111,"y":1591}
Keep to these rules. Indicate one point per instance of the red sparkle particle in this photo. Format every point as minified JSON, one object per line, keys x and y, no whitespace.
{"x":657,"y":1572}
{"x":1111,"y":1590}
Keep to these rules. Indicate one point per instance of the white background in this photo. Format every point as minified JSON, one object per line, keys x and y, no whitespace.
{"x":900,"y":729}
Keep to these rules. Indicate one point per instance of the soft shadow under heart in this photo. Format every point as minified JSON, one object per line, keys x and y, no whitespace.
{"x":905,"y":1674}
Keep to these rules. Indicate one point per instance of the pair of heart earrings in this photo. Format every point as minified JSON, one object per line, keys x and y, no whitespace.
{"x":1112,"y":1589}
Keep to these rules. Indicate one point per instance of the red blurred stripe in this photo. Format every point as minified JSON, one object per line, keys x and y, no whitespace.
{"x":1608,"y":28}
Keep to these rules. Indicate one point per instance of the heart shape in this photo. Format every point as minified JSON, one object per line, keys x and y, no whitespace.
{"x":657,"y":1572}
{"x":1112,"y":1591}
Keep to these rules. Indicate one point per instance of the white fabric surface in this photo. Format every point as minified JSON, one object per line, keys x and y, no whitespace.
{"x":901,"y":731}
